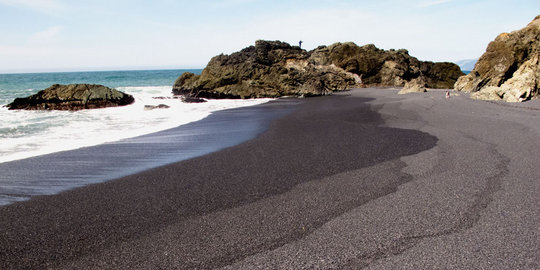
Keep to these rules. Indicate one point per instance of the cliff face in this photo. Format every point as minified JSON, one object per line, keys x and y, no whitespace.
{"x":387,"y":68}
{"x":72,"y":97}
{"x":509,"y":69}
{"x":273,"y":69}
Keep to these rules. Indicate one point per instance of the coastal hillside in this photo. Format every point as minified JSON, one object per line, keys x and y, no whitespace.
{"x":275,"y":68}
{"x":466,"y":64}
{"x":509,"y":69}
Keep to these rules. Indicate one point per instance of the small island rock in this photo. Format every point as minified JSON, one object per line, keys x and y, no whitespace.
{"x":152,"y":107}
{"x":72,"y":97}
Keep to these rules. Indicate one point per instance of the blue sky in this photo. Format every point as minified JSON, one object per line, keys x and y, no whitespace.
{"x":62,"y":35}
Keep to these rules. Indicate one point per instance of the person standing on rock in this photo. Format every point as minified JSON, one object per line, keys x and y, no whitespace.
{"x":300,"y":44}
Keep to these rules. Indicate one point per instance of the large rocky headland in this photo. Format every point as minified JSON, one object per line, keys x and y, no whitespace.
{"x":509,"y":70}
{"x":73,"y":97}
{"x":275,"y":68}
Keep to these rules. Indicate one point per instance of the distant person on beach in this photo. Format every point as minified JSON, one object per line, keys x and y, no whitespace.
{"x":300,"y":44}
{"x":447,"y":94}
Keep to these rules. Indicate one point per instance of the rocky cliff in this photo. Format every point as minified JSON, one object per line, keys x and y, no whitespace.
{"x":509,"y":69}
{"x":268,"y":69}
{"x":72,"y":97}
{"x":379,"y":67}
{"x":274,"y":68}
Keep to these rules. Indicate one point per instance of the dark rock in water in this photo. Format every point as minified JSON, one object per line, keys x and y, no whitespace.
{"x":509,"y":69}
{"x":171,"y":97}
{"x":274,"y":69}
{"x":152,"y":107}
{"x":72,"y":97}
{"x":193,"y":99}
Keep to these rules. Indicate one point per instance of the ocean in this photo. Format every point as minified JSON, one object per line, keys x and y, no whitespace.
{"x":26,"y":134}
{"x":47,"y":152}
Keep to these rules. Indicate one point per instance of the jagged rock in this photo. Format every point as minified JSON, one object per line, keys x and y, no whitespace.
{"x":152,"y":107}
{"x":192,"y":99}
{"x":73,"y":97}
{"x":268,"y":69}
{"x":379,"y":67}
{"x":274,"y":68}
{"x":417,"y":85}
{"x":509,"y":69}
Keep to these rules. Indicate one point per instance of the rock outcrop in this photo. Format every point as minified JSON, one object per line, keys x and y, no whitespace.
{"x":268,"y":69}
{"x":417,"y":85}
{"x":274,"y":68}
{"x":509,"y":69}
{"x":379,"y":67}
{"x":72,"y":97}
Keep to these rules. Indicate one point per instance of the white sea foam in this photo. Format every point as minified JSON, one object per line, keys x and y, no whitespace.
{"x":26,"y":134}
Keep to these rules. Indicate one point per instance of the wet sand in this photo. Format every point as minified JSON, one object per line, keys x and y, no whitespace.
{"x":53,"y":173}
{"x":362,"y":179}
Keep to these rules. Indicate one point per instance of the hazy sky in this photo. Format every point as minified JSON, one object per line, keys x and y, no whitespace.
{"x":62,"y":35}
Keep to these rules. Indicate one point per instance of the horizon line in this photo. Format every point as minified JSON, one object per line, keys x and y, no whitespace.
{"x":39,"y":71}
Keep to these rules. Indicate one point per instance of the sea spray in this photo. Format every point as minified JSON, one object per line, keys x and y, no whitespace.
{"x":26,"y":134}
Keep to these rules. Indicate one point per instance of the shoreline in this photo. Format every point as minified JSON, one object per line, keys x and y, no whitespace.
{"x":27,"y":134}
{"x":364,"y":178}
{"x":322,"y":137}
{"x":59,"y":171}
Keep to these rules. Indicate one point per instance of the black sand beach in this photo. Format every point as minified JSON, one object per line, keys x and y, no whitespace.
{"x":361,"y":179}
{"x":56,"y":172}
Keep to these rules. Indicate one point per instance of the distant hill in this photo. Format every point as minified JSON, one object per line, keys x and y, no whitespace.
{"x":467,"y":64}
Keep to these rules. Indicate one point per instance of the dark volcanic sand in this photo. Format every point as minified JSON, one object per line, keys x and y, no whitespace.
{"x":175,"y":216}
{"x":355,"y":180}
